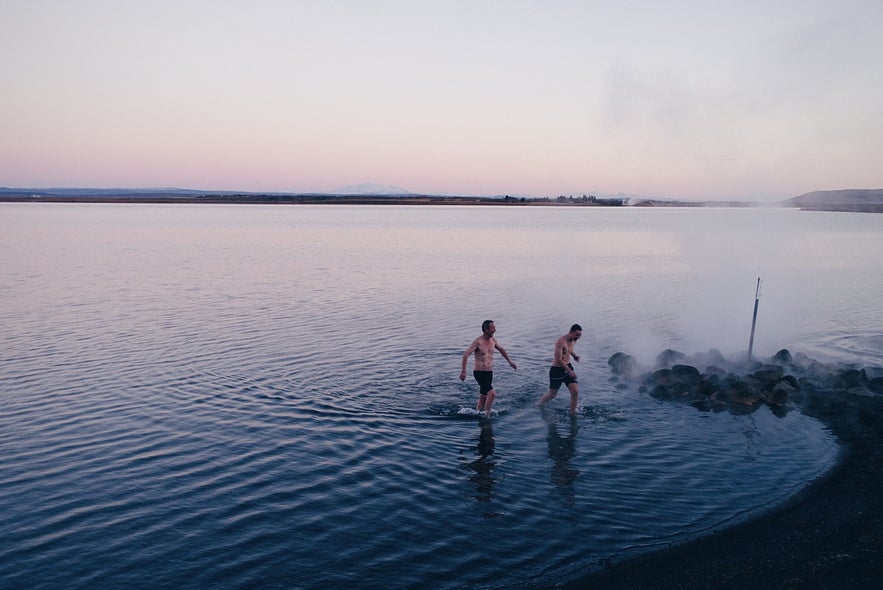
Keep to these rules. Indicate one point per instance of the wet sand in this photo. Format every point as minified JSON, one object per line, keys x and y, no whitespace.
{"x":829,"y":535}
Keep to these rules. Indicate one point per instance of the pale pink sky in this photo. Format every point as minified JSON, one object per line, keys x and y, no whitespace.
{"x":682,"y":99}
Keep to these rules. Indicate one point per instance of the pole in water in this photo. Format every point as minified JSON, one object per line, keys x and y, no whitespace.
{"x":754,"y":318}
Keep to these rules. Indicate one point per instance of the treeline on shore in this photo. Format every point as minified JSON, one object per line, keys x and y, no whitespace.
{"x":304,"y":199}
{"x":863,"y":200}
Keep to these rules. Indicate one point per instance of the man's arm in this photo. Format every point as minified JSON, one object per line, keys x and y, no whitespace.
{"x":506,"y":356}
{"x":466,"y":354}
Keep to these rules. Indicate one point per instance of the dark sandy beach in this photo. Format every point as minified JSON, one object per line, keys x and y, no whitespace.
{"x":829,"y":535}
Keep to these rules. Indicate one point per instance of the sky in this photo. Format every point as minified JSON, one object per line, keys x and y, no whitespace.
{"x":690,"y":99}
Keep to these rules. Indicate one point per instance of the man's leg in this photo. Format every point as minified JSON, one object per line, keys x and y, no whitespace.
{"x":574,"y":396}
{"x":549,"y":395}
{"x":489,"y":402}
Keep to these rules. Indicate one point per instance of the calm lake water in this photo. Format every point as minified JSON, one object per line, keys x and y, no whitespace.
{"x":267,"y":396}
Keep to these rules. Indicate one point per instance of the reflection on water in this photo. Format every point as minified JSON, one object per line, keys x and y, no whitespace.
{"x":483,"y":466}
{"x":562,"y":448}
{"x":752,"y":435}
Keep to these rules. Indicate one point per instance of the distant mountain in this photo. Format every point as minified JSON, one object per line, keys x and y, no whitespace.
{"x":370,"y":189}
{"x":852,"y":197}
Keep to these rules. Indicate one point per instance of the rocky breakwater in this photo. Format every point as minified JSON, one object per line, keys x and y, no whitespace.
{"x":710,"y":382}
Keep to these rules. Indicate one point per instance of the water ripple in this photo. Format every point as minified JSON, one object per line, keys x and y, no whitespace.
{"x":279,"y":407}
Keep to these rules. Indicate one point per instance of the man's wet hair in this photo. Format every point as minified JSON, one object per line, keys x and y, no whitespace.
{"x":486,"y":324}
{"x":576,"y":327}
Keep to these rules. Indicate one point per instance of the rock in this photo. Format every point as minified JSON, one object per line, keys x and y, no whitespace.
{"x":715,"y":370}
{"x":622,"y":364}
{"x":661,"y":377}
{"x":685,"y":372}
{"x":738,"y":387}
{"x":851,"y":379}
{"x":738,"y":391}
{"x":783,"y":357}
{"x":801,"y":361}
{"x":780,"y":394}
{"x":707,"y":386}
{"x":795,"y":394}
{"x":685,"y":378}
{"x":792,"y":381}
{"x":712,"y":357}
{"x":669,"y":357}
{"x":715,"y":357}
{"x":872,"y":373}
{"x":660,"y":392}
{"x":753,"y":365}
{"x":768,"y":376}
{"x":824,"y":372}
{"x":779,"y":411}
{"x":810,"y":384}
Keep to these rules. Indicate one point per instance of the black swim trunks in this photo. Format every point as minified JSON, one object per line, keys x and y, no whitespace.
{"x":485,"y":380}
{"x":557,"y":376}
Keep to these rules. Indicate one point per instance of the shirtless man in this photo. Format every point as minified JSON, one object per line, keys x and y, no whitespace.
{"x":561,"y":370}
{"x":483,"y":369}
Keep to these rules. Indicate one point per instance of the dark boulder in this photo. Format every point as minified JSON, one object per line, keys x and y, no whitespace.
{"x":852,"y":378}
{"x":669,"y":357}
{"x":716,"y":370}
{"x":661,"y":377}
{"x":685,"y":372}
{"x":707,"y":386}
{"x":791,"y":380}
{"x":715,"y":357}
{"x":768,"y":376}
{"x":738,"y":391}
{"x":780,"y":394}
{"x":660,"y":392}
{"x":801,"y":361}
{"x":783,"y":357}
{"x":712,"y":357}
{"x":685,"y":378}
{"x":622,"y":365}
{"x":872,"y":373}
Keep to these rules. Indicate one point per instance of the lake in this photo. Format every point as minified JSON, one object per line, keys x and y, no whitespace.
{"x":234,"y":396}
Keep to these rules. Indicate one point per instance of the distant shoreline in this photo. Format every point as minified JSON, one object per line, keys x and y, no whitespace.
{"x":311,"y":199}
{"x":847,"y":208}
{"x":325,"y":199}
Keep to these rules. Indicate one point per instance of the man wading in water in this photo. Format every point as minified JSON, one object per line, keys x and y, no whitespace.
{"x":561,"y":370}
{"x":484,"y":347}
